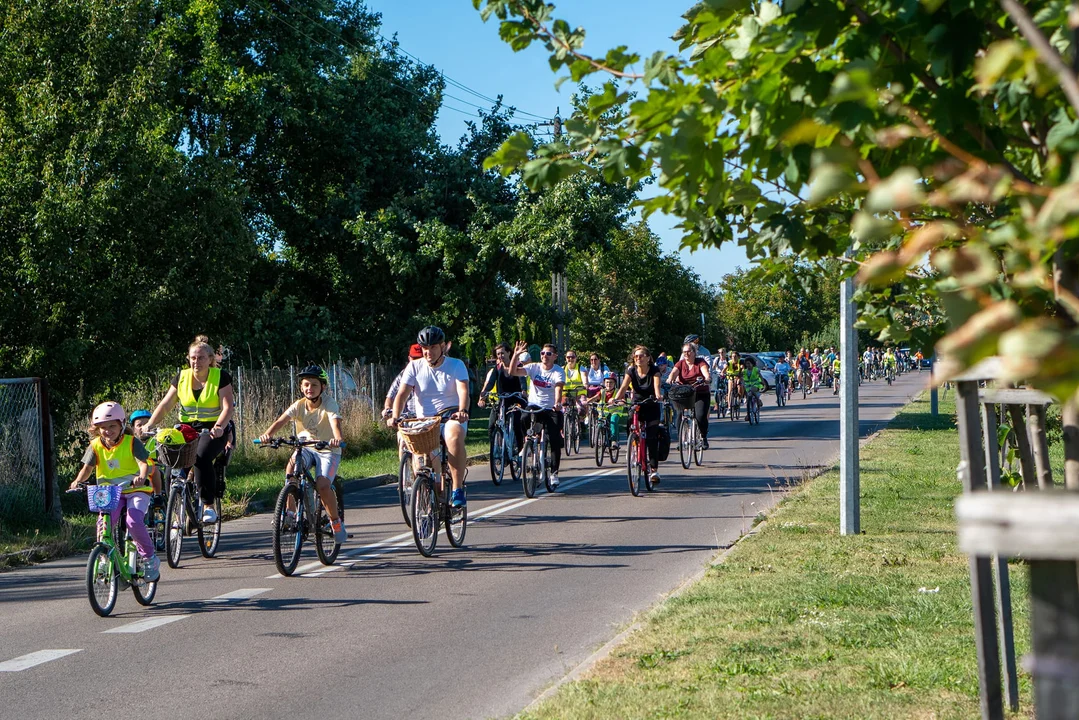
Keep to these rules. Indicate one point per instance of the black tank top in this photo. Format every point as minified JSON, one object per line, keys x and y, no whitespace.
{"x":642,"y":387}
{"x":505,"y":384}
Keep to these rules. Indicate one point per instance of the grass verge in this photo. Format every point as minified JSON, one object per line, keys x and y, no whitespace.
{"x":798,"y":622}
{"x":251,"y":485}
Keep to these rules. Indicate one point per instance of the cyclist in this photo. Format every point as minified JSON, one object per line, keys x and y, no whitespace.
{"x":888,"y":362}
{"x":783,"y":373}
{"x":575,"y":384}
{"x":603,"y":400}
{"x":734,"y":379}
{"x":440,"y":384}
{"x":754,"y":384}
{"x":545,"y":392}
{"x":918,"y":360}
{"x":835,"y":375}
{"x":719,"y":380}
{"x":693,"y":370}
{"x":317,"y":417}
{"x":501,"y":382}
{"x":205,"y":395}
{"x":829,"y":358}
{"x":595,"y":374}
{"x":415,"y":352}
{"x":116,"y":457}
{"x":804,"y":367}
{"x":643,"y":377}
{"x":138,"y":420}
{"x":867,"y":364}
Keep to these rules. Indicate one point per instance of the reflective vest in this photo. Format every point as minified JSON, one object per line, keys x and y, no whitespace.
{"x":574,"y":380}
{"x":117,"y":465}
{"x":207,"y":408}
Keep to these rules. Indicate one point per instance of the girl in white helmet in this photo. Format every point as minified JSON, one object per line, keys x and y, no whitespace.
{"x":116,"y":457}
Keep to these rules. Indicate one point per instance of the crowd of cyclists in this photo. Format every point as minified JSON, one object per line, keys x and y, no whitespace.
{"x":646,"y":395}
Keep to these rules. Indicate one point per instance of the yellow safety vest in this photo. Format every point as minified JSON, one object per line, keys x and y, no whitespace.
{"x":207,"y":408}
{"x":117,"y":465}
{"x":574,"y":380}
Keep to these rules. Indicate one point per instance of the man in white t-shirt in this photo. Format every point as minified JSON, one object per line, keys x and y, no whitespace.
{"x":440,"y":384}
{"x":544,"y":391}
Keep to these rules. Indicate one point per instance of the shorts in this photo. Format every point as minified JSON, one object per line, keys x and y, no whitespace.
{"x":324,"y":462}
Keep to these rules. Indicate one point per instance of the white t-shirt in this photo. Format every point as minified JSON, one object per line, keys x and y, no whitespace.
{"x":435,"y":388}
{"x":595,"y":377}
{"x":541,"y":389}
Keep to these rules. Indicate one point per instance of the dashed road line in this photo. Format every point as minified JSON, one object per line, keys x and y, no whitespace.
{"x":147,"y":624}
{"x":25,"y":662}
{"x":242,"y":594}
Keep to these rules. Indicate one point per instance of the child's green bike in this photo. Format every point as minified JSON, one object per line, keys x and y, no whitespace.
{"x":113,"y":563}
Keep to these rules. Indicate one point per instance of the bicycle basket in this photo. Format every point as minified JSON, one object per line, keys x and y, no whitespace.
{"x":180,"y":457}
{"x":103,"y":498}
{"x":421,"y":436}
{"x":682,"y":396}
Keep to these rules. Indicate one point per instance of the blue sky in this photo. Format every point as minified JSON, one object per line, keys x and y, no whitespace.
{"x":450,"y":35}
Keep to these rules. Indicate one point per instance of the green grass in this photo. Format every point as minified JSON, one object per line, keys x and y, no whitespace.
{"x":800,"y":622}
{"x":253,"y":482}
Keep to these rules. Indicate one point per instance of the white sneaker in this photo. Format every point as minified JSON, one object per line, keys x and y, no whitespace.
{"x":653,"y":477}
{"x":151,"y":568}
{"x":554,"y":480}
{"x":209,"y":515}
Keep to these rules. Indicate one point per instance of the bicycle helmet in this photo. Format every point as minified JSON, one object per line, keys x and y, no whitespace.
{"x":430,"y":335}
{"x":691,"y":339}
{"x":314,"y":371}
{"x":170,"y":436}
{"x":139,"y":415}
{"x":107,"y":412}
{"x":608,"y":375}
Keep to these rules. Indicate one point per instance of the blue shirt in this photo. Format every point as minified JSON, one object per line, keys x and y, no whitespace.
{"x":782,"y":368}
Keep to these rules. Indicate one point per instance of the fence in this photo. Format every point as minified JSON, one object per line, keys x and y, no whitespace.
{"x":26,"y":462}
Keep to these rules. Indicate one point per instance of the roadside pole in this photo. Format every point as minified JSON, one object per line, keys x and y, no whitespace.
{"x":850,"y":520}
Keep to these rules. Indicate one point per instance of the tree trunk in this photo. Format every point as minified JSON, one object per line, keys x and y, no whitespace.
{"x":1066,"y":277}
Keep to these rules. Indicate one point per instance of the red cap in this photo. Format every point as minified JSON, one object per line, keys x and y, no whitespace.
{"x":415,"y":352}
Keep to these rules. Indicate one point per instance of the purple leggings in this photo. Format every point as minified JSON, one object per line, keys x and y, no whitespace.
{"x":137,"y":504}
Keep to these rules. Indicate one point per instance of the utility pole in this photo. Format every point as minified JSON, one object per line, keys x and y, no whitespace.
{"x":559,"y":289}
{"x":850,"y":514}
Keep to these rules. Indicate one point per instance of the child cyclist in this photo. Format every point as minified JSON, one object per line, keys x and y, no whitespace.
{"x":116,"y":457}
{"x":138,"y":420}
{"x":317,"y":417}
{"x":604,"y":400}
{"x":754,"y":383}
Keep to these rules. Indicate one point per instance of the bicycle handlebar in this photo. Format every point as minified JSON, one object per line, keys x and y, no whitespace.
{"x":293,"y":441}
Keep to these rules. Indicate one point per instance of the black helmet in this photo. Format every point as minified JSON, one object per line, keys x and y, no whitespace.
{"x":431,"y":335}
{"x":314,"y":371}
{"x":691,"y":339}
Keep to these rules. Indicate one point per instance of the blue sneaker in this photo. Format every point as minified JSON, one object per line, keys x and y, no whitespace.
{"x":457,"y":499}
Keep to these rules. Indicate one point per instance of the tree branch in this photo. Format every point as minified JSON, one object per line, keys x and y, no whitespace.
{"x":544,"y":32}
{"x":1046,"y":52}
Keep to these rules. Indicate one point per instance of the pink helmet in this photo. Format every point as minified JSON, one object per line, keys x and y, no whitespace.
{"x":108,"y":411}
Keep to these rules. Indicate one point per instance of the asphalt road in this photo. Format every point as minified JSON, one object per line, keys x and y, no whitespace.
{"x":470,"y":633}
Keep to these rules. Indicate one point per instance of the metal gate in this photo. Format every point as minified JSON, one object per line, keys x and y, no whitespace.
{"x":26,"y":477}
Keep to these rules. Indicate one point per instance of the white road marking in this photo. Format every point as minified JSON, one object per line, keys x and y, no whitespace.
{"x":147,"y":624}
{"x":35,"y":658}
{"x":243,"y":594}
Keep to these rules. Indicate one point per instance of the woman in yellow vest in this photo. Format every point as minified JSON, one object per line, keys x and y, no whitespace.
{"x":115,"y":457}
{"x":206,"y":400}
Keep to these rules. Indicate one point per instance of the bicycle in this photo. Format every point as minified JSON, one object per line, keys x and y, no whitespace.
{"x":781,"y":390}
{"x":753,"y":407}
{"x":536,"y":455}
{"x":571,"y":426}
{"x":637,"y":451}
{"x":690,"y":439}
{"x":504,"y":442}
{"x":114,"y":564}
{"x":183,"y":510}
{"x":605,"y":443}
{"x":735,"y":407}
{"x":721,"y":398}
{"x":430,"y":499}
{"x":593,"y":423}
{"x":804,"y":383}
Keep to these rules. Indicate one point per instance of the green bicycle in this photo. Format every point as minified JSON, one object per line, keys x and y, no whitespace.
{"x":114,"y":563}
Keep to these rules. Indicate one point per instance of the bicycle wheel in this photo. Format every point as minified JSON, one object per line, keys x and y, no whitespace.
{"x":144,"y":590}
{"x":176,"y":525}
{"x":287,"y":537}
{"x":497,"y":457}
{"x":698,"y":445}
{"x":456,"y":524}
{"x":425,"y":515}
{"x":530,"y":476}
{"x":404,"y":486}
{"x":545,"y":457}
{"x":326,"y":546}
{"x":210,"y":535}
{"x":156,"y":519}
{"x":633,"y":466}
{"x":576,"y":437}
{"x":613,"y":448}
{"x":513,"y":457}
{"x":805,"y":389}
{"x":685,"y":443}
{"x":600,"y":446}
{"x":102,"y":580}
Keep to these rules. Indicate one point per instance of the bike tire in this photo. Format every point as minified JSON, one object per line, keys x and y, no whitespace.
{"x":698,"y":445}
{"x":497,"y":456}
{"x":326,"y":545}
{"x":531,"y":470}
{"x":805,"y":391}
{"x":144,"y":590}
{"x":102,"y":580}
{"x":158,"y":527}
{"x":425,"y":515}
{"x":600,"y":447}
{"x":633,"y":467}
{"x":405,"y":478}
{"x":566,"y":422}
{"x":175,"y":525}
{"x":516,"y":462}
{"x":287,"y":536}
{"x":685,"y":438}
{"x":576,"y":437}
{"x":456,"y":524}
{"x":210,"y":535}
{"x":613,"y":449}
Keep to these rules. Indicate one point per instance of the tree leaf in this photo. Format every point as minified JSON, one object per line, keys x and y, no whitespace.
{"x":827,"y":181}
{"x":899,"y":191}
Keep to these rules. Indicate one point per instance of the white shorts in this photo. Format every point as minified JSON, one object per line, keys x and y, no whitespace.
{"x":324,"y":462}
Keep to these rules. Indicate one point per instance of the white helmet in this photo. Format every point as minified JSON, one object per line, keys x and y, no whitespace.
{"x":524,"y":358}
{"x":108,"y":411}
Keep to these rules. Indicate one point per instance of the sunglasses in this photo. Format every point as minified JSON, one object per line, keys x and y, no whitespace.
{"x":642,"y":355}
{"x":571,"y":357}
{"x":546,"y":352}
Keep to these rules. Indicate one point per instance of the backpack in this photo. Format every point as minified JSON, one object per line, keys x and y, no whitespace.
{"x":663,"y":450}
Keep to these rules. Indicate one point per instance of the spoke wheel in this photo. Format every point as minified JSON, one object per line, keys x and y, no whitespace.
{"x":424,"y":515}
{"x":613,"y":448}
{"x":599,"y":443}
{"x":576,"y":436}
{"x":513,"y":456}
{"x":210,"y":535}
{"x":405,"y":477}
{"x":530,"y":477}
{"x":685,"y":443}
{"x":698,"y":445}
{"x":102,"y":580}
{"x":497,"y":456}
{"x":287,"y":537}
{"x":175,"y":525}
{"x":633,"y":466}
{"x":158,"y":525}
{"x":326,"y":545}
{"x":456,"y":524}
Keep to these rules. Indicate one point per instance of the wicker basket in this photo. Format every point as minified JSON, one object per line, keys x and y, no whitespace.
{"x":682,"y":397}
{"x":421,"y":437}
{"x":180,"y":457}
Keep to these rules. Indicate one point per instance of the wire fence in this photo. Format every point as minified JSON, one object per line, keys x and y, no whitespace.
{"x":26,"y":489}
